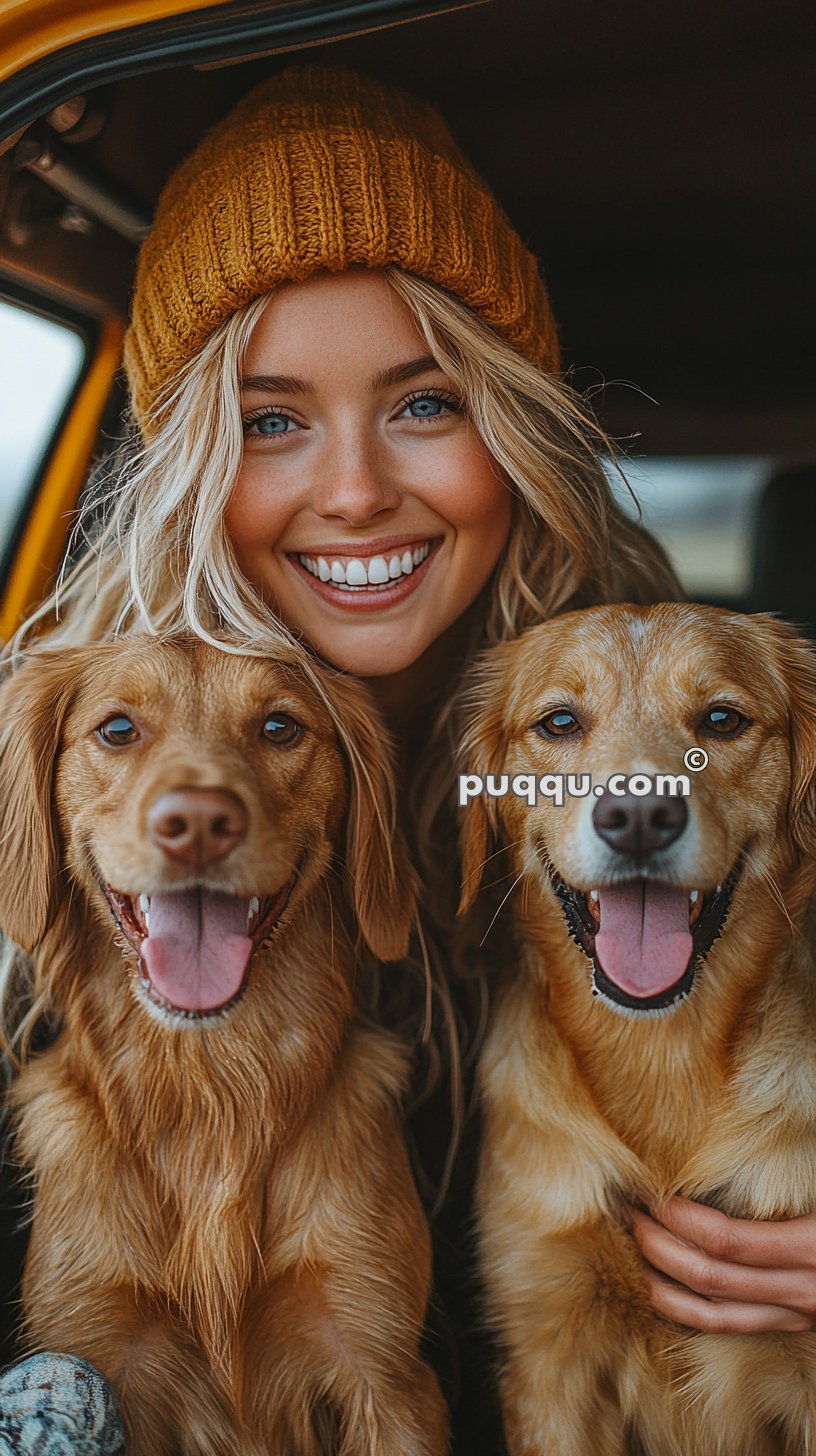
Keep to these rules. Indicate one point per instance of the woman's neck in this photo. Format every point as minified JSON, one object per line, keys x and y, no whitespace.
{"x":410,"y":699}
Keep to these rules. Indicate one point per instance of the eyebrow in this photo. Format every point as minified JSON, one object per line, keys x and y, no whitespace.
{"x":288,"y":384}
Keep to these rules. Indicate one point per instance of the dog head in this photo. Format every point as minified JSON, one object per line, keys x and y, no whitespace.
{"x":198,"y":797}
{"x":604,"y":710}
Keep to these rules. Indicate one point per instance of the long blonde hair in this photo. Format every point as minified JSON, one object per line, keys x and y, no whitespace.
{"x":153,"y":554}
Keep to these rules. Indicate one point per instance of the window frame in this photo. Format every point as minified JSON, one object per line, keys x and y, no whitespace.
{"x":233,"y":30}
{"x":89,"y":330}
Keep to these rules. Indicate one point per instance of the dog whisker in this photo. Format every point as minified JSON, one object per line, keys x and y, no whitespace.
{"x":766,"y":874}
{"x":478,"y":869}
{"x":519,"y":876}
{"x":428,"y":985}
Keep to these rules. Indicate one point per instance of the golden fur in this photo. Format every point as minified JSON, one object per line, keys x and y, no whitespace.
{"x":587,"y":1106}
{"x":225,"y":1221}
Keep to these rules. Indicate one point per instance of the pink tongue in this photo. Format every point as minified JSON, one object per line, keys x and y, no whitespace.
{"x":644,"y":943}
{"x":197,"y":949}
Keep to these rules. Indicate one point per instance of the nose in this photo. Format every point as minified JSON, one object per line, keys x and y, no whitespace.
{"x":197,"y":826}
{"x":639,"y":825}
{"x":354,"y":484}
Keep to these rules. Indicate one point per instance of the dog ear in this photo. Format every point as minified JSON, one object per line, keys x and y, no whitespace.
{"x":796,"y":660}
{"x":380,"y":879}
{"x":801,"y":667}
{"x":479,"y":753}
{"x":33,"y":703}
{"x":475,"y":841}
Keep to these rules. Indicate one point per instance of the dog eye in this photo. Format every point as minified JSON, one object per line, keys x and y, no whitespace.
{"x":558,"y":724}
{"x":724,"y":722}
{"x":117,"y":730}
{"x":280,"y":728}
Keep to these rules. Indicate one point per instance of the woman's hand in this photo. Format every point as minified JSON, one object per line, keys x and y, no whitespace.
{"x":733,"y":1275}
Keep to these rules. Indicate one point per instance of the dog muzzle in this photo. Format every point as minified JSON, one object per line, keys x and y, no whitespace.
{"x":645,"y":938}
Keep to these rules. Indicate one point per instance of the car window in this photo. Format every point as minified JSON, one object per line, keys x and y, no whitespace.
{"x":40,"y":364}
{"x":703,"y":510}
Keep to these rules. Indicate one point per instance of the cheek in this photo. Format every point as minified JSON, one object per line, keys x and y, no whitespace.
{"x":81,"y":780}
{"x":88,"y":807}
{"x":328,"y":796}
{"x":475,"y":498}
{"x":255,"y":517}
{"x":753,"y":796}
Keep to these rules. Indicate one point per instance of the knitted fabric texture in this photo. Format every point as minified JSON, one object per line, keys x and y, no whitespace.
{"x":323,"y":168}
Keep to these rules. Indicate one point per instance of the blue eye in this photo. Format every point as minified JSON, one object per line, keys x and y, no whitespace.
{"x":430,"y":403}
{"x":280,"y":728}
{"x":117,"y":731}
{"x":266,"y":424}
{"x":427,"y":405}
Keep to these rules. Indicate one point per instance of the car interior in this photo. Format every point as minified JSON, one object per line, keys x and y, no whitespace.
{"x":657,"y":160}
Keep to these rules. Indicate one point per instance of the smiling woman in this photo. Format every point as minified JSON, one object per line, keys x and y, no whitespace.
{"x":343,"y":489}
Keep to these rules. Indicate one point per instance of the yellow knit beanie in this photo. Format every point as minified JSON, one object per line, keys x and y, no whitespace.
{"x":321,"y":167}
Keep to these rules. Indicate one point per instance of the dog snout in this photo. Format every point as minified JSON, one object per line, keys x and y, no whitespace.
{"x":640,"y":825}
{"x":198,"y":826}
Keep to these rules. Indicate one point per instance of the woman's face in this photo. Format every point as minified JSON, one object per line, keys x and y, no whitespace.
{"x":367,"y":513}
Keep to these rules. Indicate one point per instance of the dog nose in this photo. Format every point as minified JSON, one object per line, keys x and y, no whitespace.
{"x":639,"y":825}
{"x":197,"y":826}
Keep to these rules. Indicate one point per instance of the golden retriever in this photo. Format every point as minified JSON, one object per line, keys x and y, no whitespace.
{"x":225,"y":1221}
{"x":657,"y":1032}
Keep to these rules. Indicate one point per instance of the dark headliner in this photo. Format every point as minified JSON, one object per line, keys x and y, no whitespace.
{"x":658,"y":159}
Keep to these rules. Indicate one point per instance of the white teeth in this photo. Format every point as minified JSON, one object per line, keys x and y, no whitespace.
{"x":717,"y":891}
{"x":254,"y":907}
{"x":693,"y":896}
{"x":356,"y":574}
{"x":593,"y":894}
{"x":361,"y":572}
{"x":147,"y":920}
{"x":377,"y":570}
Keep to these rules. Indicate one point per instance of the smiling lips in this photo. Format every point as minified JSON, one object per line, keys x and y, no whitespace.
{"x":387,"y":577}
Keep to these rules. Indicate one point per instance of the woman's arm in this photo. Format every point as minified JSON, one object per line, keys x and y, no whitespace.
{"x":732,"y":1275}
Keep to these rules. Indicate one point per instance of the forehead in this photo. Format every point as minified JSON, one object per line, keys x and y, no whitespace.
{"x":192,"y":686}
{"x":619,"y":654}
{"x":330,"y":321}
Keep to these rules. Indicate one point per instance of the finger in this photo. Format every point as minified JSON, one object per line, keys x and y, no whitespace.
{"x":718,"y":1279}
{"x":720,"y":1316}
{"x":783,"y":1244}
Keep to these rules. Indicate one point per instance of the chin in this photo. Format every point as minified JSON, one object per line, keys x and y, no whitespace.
{"x":372,"y":665}
{"x":367,"y":656}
